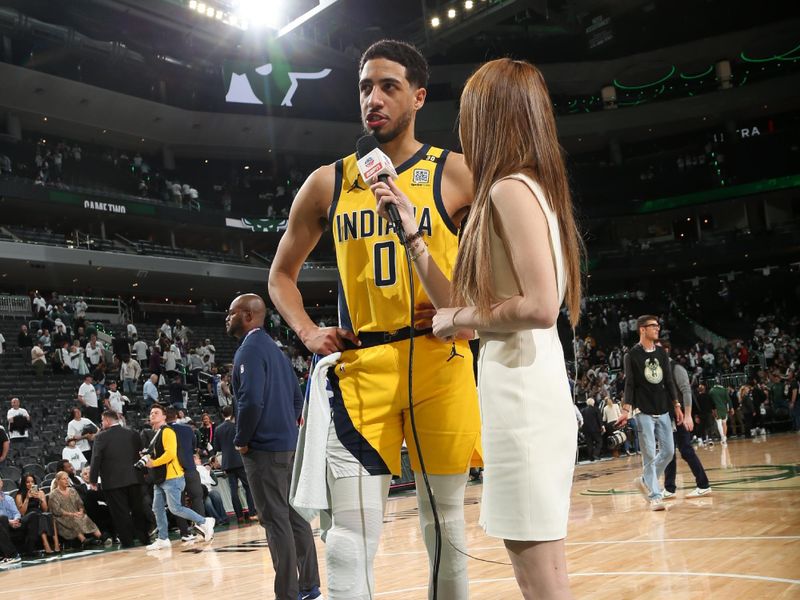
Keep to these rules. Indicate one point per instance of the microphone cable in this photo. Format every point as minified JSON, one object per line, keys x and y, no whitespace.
{"x":437,"y":554}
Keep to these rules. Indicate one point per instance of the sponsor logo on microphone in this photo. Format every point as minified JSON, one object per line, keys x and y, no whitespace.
{"x":375,"y":163}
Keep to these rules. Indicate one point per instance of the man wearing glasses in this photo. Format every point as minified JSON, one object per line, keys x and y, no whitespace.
{"x":649,"y":387}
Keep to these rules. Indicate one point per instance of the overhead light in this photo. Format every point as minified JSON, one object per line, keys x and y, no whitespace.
{"x":135,"y":284}
{"x":201,"y":7}
{"x":261,"y":14}
{"x":210,"y":12}
{"x":193,"y":4}
{"x":220,"y":14}
{"x":435,"y":22}
{"x":247,"y":167}
{"x":468,"y":5}
{"x":451,"y":13}
{"x":205,"y":161}
{"x":44,"y":119}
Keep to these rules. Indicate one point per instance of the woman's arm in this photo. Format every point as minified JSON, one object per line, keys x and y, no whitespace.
{"x":521,"y":223}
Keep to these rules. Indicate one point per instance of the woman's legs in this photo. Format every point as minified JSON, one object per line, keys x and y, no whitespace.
{"x":540,"y":569}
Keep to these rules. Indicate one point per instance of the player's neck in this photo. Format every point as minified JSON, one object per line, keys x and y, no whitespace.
{"x":648,"y":345}
{"x":401,"y":148}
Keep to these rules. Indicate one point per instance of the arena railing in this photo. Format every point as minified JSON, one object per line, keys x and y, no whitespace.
{"x":15,"y":306}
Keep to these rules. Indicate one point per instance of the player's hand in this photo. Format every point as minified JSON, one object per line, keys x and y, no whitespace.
{"x":688,"y":423}
{"x":678,"y":415}
{"x":443,"y":323}
{"x":327,"y":340}
{"x":388,"y":193}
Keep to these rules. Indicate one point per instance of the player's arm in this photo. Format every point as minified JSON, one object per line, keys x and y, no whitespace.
{"x":307,"y":219}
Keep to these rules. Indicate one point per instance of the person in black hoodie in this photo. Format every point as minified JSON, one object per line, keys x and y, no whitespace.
{"x":649,"y":387}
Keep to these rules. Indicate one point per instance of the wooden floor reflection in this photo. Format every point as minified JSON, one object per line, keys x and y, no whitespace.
{"x":741,"y":542}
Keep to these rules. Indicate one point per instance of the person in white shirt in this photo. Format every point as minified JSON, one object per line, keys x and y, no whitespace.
{"x":2,"y":341}
{"x":170,"y":358}
{"x":95,"y":352}
{"x":114,"y":400}
{"x":140,"y":350}
{"x":131,"y":329}
{"x":80,"y":308}
{"x":39,"y":304}
{"x":208,"y":350}
{"x":195,"y":363}
{"x":75,"y":430}
{"x":75,"y":358}
{"x":166,"y":329}
{"x":87,"y":396}
{"x":129,"y":371}
{"x":18,"y":436}
{"x":72,"y":453}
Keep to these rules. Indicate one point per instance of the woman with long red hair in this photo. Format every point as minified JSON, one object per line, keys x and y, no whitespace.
{"x":518,"y":263}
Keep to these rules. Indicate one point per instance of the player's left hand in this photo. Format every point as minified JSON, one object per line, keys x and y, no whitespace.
{"x":443,"y":323}
{"x":688,"y":423}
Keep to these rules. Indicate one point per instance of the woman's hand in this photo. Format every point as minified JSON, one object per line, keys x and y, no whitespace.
{"x":444,"y":326}
{"x":388,"y":193}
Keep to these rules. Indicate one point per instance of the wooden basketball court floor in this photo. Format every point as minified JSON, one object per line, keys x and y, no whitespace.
{"x":741,"y":542}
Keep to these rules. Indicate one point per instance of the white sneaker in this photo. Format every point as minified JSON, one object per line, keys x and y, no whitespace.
{"x":159,"y":544}
{"x":207,"y":528}
{"x":698,"y":492}
{"x":667,"y":495}
{"x":188,"y":538}
{"x":657,"y":504}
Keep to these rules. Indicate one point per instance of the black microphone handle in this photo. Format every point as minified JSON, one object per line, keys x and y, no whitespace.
{"x":394,"y":215}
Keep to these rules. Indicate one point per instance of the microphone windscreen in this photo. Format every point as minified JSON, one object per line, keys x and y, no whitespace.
{"x":365,"y":145}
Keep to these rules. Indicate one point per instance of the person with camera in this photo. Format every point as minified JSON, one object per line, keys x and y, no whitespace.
{"x":682,"y":436}
{"x":193,"y":489}
{"x":116,"y":450}
{"x":650,"y":388}
{"x":161,"y":457}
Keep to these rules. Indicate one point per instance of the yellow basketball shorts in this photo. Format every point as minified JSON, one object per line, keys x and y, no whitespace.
{"x":371,"y":413}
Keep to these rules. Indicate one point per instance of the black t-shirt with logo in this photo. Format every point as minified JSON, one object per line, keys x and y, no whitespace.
{"x":649,"y":385}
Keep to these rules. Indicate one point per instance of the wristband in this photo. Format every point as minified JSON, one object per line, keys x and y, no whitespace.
{"x":414,"y":237}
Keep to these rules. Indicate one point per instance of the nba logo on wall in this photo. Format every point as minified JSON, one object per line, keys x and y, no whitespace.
{"x":420,"y":177}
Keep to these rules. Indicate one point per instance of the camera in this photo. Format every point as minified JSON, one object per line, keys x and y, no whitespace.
{"x":141,"y":464}
{"x":616,"y":439}
{"x":34,"y":488}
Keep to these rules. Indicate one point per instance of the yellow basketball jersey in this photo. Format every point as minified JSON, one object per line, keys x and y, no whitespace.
{"x":373,"y":274}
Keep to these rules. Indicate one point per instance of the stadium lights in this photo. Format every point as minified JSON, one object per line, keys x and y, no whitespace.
{"x":451,"y":13}
{"x":435,"y":22}
{"x":193,"y":4}
{"x":468,"y":5}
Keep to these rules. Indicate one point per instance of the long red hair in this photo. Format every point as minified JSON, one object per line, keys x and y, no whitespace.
{"x":507,"y":126}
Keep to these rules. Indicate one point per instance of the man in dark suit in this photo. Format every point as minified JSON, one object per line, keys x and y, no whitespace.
{"x":232,"y":464}
{"x":592,"y":429}
{"x":116,"y":450}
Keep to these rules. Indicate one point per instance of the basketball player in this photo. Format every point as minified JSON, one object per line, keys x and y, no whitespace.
{"x":370,"y":390}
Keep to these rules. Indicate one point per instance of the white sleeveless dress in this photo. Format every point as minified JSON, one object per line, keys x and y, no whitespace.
{"x":529,"y":429}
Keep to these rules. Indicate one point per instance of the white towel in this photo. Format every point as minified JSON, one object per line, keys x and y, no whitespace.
{"x":309,"y":490}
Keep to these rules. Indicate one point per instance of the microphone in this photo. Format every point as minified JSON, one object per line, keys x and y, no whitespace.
{"x":374,"y":163}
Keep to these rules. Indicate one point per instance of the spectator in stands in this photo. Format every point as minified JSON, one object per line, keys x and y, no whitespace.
{"x":155,"y":360}
{"x":140,"y":350}
{"x":232,"y":464}
{"x":166,"y":329}
{"x":213,"y":500}
{"x":592,"y":430}
{"x":225,"y":393}
{"x":150,"y":390}
{"x":19,"y":425}
{"x":87,"y":397}
{"x":38,"y":360}
{"x":130,"y":329}
{"x":24,"y":342}
{"x":195,"y":364}
{"x":205,"y":433}
{"x":208,"y":352}
{"x":5,"y":446}
{"x":114,"y":400}
{"x":129,"y":371}
{"x":10,"y":520}
{"x":176,"y":391}
{"x":76,"y":360}
{"x":69,"y":514}
{"x":2,"y":345}
{"x":180,"y":332}
{"x":71,"y":453}
{"x":95,"y":352}
{"x":170,"y":359}
{"x":32,"y":505}
{"x":80,"y":429}
{"x":116,"y":450}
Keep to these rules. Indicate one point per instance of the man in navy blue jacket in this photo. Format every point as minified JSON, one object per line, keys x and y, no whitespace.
{"x":268,"y":407}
